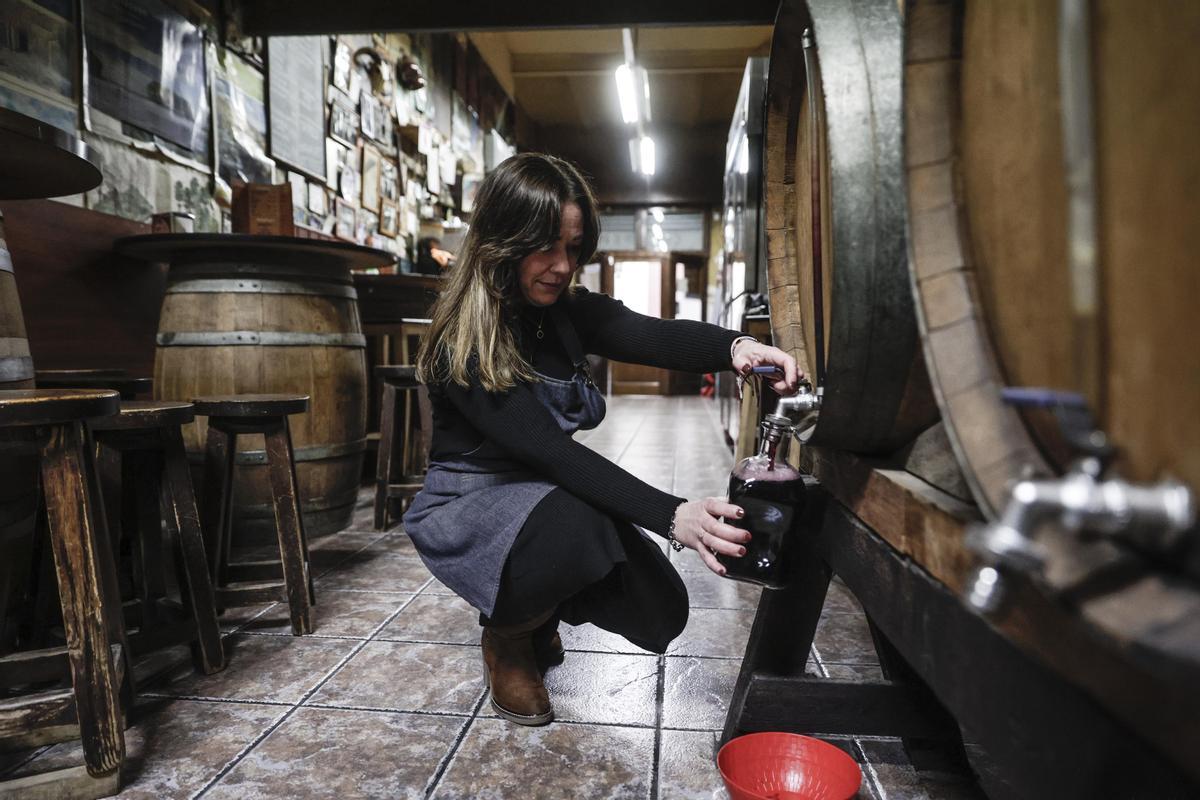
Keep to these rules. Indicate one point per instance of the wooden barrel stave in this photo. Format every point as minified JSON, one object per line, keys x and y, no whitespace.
{"x":18,"y":471}
{"x":325,"y":359}
{"x":877,"y":397}
{"x":988,"y":207}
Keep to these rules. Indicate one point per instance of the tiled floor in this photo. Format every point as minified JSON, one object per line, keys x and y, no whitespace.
{"x":386,"y":699}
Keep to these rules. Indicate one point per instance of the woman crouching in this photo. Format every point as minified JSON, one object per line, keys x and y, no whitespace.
{"x":520,"y":520}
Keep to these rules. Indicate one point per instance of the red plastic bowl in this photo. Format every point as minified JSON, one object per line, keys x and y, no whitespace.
{"x":787,"y":766}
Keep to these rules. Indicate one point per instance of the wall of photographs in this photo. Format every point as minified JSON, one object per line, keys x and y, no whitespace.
{"x":377,"y":134}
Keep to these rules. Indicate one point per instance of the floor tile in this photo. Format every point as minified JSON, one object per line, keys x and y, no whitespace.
{"x":332,"y":550}
{"x":604,"y":688}
{"x":234,"y":618}
{"x":709,"y":590}
{"x":402,"y":676}
{"x":500,"y":760}
{"x":376,"y":572}
{"x":278,"y":669}
{"x":898,"y":780}
{"x":687,"y":767}
{"x":435,"y":618}
{"x":343,"y":754}
{"x":714,"y":632}
{"x":589,"y":637}
{"x":860,"y":673}
{"x":697,"y":692}
{"x":845,"y":639}
{"x":173,"y":747}
{"x":351,"y":614}
{"x":839,"y":599}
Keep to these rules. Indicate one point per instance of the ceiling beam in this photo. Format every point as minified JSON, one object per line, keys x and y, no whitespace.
{"x":302,"y":17}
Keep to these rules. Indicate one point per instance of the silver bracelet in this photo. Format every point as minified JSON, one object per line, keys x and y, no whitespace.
{"x":676,"y":545}
{"x":733,"y":345}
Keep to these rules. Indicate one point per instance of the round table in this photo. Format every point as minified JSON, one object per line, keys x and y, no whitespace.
{"x":250,"y":314}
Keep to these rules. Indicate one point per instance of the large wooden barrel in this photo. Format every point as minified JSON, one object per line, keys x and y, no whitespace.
{"x":18,"y":471}
{"x":247,"y":315}
{"x":1024,"y":281}
{"x":840,"y":297}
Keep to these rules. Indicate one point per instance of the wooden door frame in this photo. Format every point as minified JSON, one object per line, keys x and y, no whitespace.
{"x":608,"y":261}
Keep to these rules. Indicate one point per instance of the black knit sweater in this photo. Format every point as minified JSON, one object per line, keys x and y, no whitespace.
{"x":518,"y":422}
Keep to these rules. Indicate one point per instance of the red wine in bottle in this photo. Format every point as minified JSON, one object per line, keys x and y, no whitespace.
{"x":771,"y":493}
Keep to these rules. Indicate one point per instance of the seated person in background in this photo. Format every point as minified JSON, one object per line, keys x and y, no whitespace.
{"x":431,"y":258}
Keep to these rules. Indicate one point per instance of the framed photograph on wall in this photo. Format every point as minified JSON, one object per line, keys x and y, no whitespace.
{"x":342,"y":65}
{"x":389,"y":180}
{"x":367,"y":225}
{"x":372,"y":116}
{"x":372,"y":163}
{"x":318,"y":201}
{"x":345,"y":220}
{"x":389,"y":218}
{"x":343,"y":123}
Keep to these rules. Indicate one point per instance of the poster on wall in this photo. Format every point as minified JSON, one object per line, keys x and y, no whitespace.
{"x":241,"y":120}
{"x":296,"y":102}
{"x":38,"y":52}
{"x":146,"y":66}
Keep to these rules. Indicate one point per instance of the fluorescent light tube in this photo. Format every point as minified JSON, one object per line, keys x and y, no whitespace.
{"x":627,"y":95}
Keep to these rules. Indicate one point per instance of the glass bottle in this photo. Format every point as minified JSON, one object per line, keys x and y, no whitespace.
{"x":771,"y":492}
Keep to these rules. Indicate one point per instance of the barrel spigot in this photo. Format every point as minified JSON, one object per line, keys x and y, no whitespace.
{"x":1152,"y":517}
{"x":801,"y":408}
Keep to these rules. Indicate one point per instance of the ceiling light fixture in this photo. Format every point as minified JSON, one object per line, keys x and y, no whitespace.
{"x":633,"y":92}
{"x":641,"y":155}
{"x":627,"y":94}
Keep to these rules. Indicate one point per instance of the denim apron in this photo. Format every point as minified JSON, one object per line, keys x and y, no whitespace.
{"x":468,"y":514}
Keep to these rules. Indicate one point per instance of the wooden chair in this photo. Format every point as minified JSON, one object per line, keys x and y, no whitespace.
{"x":51,"y":423}
{"x":156,"y":487}
{"x":253,"y":582}
{"x":395,"y":479}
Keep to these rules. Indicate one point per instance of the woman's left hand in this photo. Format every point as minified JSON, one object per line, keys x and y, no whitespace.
{"x":750,"y":354}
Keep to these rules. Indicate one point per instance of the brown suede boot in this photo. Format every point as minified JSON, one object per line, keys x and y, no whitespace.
{"x":511,"y":670}
{"x":547,"y":646}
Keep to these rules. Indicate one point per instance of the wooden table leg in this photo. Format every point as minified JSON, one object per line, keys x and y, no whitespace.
{"x":80,"y":560}
{"x":288,"y":525}
{"x":383,"y":463}
{"x":183,"y":519}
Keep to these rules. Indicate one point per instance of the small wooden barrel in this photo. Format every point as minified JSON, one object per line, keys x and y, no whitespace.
{"x":1016,"y":288}
{"x":840,"y":296}
{"x":246,"y":314}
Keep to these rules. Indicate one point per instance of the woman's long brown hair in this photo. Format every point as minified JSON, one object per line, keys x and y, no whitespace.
{"x":518,"y":211}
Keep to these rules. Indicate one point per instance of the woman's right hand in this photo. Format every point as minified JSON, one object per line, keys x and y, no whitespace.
{"x":698,"y":526}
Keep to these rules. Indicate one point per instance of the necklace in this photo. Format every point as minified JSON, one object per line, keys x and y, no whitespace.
{"x":540,"y":334}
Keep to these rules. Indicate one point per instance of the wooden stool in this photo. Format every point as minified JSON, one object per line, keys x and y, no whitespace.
{"x":118,"y":380}
{"x":156,"y":486}
{"x":267,"y":414}
{"x":95,"y":655}
{"x":394,"y":439}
